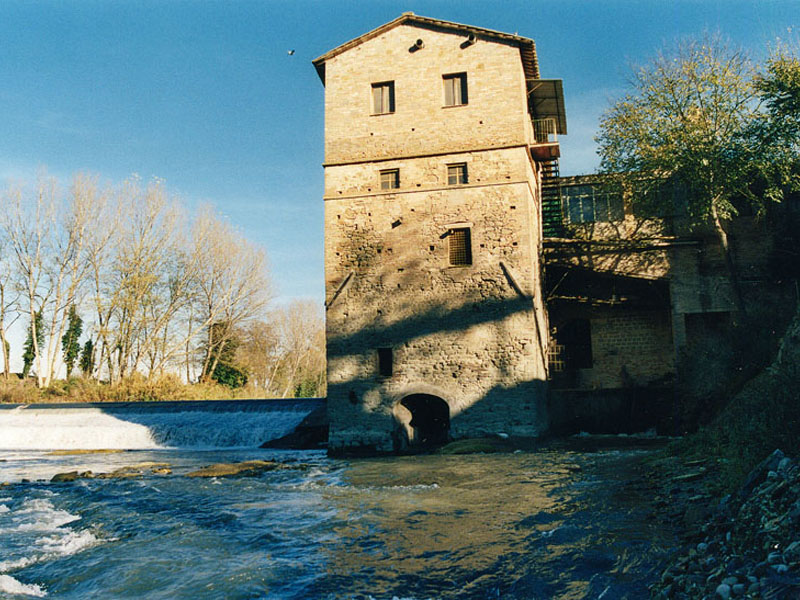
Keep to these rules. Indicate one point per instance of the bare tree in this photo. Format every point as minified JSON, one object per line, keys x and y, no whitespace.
{"x":28,"y":223}
{"x":232,"y":286}
{"x":287,"y":352}
{"x":8,"y":300}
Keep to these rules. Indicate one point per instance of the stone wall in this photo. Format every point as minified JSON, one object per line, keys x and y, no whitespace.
{"x":471,"y":335}
{"x":495,"y":116}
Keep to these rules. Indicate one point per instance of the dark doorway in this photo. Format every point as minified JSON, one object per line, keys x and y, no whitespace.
{"x":429,"y":426}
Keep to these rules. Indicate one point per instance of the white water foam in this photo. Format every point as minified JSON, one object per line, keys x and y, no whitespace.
{"x":40,"y":528}
{"x":142,"y":427}
{"x":56,"y":429}
{"x":9,"y":585}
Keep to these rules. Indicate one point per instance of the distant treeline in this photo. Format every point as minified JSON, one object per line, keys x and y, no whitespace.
{"x":113,"y":282}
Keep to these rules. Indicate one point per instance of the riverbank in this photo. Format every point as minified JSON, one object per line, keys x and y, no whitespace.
{"x":740,"y":545}
{"x":135,"y":388}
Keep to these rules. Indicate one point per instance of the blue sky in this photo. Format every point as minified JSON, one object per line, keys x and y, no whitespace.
{"x":204,"y":94}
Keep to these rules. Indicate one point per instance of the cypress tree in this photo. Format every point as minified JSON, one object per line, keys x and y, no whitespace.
{"x":70,"y":346}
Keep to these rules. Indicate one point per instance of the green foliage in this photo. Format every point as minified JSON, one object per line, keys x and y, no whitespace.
{"x":778,"y":88}
{"x":686,"y":119}
{"x":225,"y":369}
{"x":87,"y":358}
{"x":308,"y":388}
{"x":70,"y":345}
{"x":29,"y":352}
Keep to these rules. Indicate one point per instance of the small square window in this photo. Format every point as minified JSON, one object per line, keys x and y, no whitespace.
{"x":390,"y":179}
{"x":383,"y":98}
{"x":385,"y":366}
{"x":460,"y":247}
{"x":457,"y":174}
{"x":455,"y":89}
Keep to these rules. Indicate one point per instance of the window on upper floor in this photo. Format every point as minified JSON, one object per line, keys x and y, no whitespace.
{"x":455,"y":89}
{"x":457,"y":174}
{"x":390,"y":179}
{"x":590,"y":204}
{"x":383,"y":98}
{"x":460,"y":246}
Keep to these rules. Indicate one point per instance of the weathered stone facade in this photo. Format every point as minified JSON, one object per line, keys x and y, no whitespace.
{"x":645,"y":286}
{"x":407,"y":328}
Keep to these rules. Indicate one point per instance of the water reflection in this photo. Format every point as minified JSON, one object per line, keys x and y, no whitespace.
{"x":520,"y":526}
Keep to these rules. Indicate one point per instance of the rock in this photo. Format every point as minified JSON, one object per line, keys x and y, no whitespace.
{"x":784,"y":464}
{"x":81,"y":452}
{"x":243,"y":469}
{"x":753,"y":588}
{"x":702,"y":548}
{"x":162,"y":471}
{"x":723,"y":591}
{"x":759,"y":474}
{"x":780,"y":569}
{"x":738,"y":589}
{"x":774,"y":558}
{"x":730,"y":581}
{"x":64,"y":477}
{"x":792,"y":550}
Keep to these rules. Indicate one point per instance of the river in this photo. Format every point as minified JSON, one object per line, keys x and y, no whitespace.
{"x":555,"y":523}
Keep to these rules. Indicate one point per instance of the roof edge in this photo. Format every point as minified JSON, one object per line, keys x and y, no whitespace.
{"x":526,"y":45}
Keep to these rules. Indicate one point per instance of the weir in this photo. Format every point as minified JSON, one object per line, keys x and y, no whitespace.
{"x":150,"y":425}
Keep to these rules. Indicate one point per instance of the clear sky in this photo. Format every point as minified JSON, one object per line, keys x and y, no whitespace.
{"x":204,"y":94}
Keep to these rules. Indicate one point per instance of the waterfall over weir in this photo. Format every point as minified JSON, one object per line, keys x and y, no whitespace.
{"x":150,"y":425}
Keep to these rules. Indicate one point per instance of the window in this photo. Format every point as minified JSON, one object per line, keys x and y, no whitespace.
{"x":455,"y":89}
{"x":383,"y":98}
{"x":390,"y":179}
{"x":589,"y":204}
{"x":460,"y":246}
{"x":457,"y":174}
{"x":576,"y":338}
{"x":385,"y":362}
{"x":660,"y":199}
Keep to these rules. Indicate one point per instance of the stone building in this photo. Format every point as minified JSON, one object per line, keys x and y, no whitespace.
{"x":439,"y":140}
{"x":631,"y":297}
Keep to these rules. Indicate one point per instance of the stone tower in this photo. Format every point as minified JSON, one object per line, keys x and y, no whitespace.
{"x":437,"y":136}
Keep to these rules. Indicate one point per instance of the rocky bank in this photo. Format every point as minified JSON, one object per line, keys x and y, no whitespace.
{"x":746,"y":545}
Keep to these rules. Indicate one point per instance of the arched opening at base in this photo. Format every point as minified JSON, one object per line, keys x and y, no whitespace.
{"x":426,"y":420}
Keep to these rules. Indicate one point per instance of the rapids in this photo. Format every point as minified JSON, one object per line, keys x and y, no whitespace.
{"x":539,"y":525}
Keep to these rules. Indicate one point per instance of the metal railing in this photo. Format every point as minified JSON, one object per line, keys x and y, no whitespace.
{"x":544,"y":130}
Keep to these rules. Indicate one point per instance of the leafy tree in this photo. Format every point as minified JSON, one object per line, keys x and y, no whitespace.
{"x":70,"y":345}
{"x":29,"y":353}
{"x":224,"y":368}
{"x":688,"y":118}
{"x":778,"y":87}
{"x":87,"y":358}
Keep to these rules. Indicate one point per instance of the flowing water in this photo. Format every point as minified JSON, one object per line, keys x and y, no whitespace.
{"x":547,"y":524}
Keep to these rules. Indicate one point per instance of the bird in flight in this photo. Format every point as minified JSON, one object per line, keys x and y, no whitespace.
{"x":290,"y":52}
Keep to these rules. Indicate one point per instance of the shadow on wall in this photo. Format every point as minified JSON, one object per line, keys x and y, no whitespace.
{"x":403,"y":413}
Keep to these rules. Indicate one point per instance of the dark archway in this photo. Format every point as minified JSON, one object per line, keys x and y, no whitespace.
{"x":429,"y":426}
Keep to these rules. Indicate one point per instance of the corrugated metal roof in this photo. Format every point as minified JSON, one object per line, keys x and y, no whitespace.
{"x":527,"y":47}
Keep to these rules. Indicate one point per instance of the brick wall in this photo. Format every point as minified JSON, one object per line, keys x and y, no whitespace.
{"x":629,"y":347}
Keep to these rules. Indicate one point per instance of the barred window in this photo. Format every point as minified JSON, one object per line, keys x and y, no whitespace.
{"x":383,"y":98}
{"x":460,"y":246}
{"x":390,"y":179}
{"x":455,"y":89}
{"x":457,"y":174}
